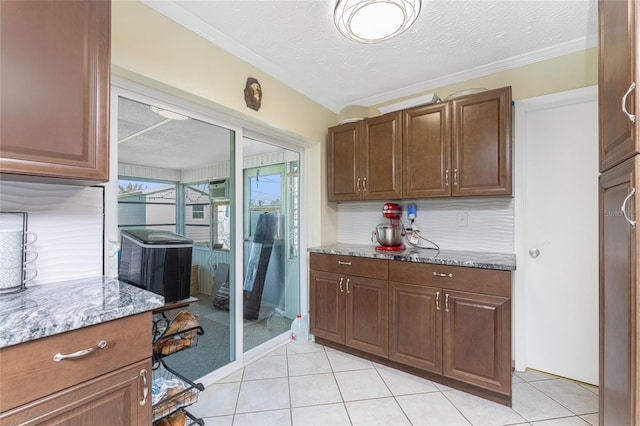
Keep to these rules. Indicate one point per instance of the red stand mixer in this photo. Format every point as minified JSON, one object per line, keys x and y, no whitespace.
{"x":390,"y":235}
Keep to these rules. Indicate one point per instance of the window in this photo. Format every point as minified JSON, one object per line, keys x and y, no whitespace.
{"x":197,"y":212}
{"x":146,"y":204}
{"x":197,"y":224}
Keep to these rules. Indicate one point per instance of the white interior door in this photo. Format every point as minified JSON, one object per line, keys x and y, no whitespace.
{"x":557,"y":214}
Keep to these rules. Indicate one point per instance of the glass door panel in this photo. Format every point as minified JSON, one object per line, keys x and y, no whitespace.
{"x":271,"y":271}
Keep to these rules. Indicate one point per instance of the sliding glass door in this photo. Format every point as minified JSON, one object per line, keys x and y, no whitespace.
{"x":177,"y":172}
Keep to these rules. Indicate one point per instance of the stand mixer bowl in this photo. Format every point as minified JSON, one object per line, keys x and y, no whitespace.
{"x":388,"y":235}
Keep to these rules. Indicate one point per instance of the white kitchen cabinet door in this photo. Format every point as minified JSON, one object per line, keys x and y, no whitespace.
{"x":556,"y":293}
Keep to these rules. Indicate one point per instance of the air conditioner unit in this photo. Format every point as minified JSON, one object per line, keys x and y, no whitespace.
{"x":219,"y":189}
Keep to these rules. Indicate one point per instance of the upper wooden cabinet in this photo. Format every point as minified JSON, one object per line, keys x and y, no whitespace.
{"x":427,"y":151}
{"x":481,"y":144}
{"x":456,"y":148}
{"x":617,"y":78}
{"x":365,"y":159}
{"x":54,"y":109}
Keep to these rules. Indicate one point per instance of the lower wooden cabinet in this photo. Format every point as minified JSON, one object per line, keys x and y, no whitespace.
{"x":350,"y":310}
{"x":112,"y":399}
{"x":415,"y":324}
{"x":476,"y":340}
{"x":48,"y":381}
{"x":450,"y":323}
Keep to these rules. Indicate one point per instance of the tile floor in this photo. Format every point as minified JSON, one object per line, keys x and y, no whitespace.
{"x":313,"y":385}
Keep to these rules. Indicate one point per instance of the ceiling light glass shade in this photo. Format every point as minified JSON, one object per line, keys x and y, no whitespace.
{"x":168,"y":114}
{"x":371,"y":21}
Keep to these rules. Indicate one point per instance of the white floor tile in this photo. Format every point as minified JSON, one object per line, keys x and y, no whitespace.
{"x":592,"y":419}
{"x":341,"y":361}
{"x":216,"y":400}
{"x":217,"y":421}
{"x":305,"y":348}
{"x":515,"y":378}
{"x":565,"y":421}
{"x":533,"y":405}
{"x":534,"y":375}
{"x":480,"y":411}
{"x":589,"y":387}
{"x":571,"y":395}
{"x":311,"y":363}
{"x":261,"y":395}
{"x":321,"y":415}
{"x":282,"y":350}
{"x":361,"y":384}
{"x":316,"y":389}
{"x":276,"y":417}
{"x":269,"y":367}
{"x":430,"y":409}
{"x":401,"y":383}
{"x":376,"y":412}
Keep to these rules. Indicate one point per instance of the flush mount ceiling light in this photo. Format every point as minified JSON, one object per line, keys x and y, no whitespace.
{"x":371,"y":21}
{"x":168,"y":114}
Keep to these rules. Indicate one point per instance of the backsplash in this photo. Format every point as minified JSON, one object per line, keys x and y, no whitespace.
{"x":489,"y":222}
{"x":69,"y":222}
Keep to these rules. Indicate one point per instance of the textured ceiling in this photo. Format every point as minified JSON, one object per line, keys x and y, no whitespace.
{"x":452,"y":41}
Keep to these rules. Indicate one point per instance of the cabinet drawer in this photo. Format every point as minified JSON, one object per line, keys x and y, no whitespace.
{"x":350,"y":265}
{"x":475,"y":280}
{"x":28,"y":371}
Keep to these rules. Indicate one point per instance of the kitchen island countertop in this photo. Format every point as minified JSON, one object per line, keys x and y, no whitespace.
{"x":47,"y":309}
{"x":472,"y":259}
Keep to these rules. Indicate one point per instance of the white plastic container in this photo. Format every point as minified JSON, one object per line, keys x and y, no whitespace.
{"x":299,"y":330}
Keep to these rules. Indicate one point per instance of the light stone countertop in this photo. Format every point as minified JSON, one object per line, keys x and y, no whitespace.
{"x":47,"y":309}
{"x":472,"y":259}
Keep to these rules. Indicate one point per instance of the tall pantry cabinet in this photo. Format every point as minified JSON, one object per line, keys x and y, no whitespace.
{"x":619,"y":182}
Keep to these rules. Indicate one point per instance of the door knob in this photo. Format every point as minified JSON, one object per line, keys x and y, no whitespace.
{"x":534,"y":252}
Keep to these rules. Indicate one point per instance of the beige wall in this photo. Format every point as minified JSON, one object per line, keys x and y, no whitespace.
{"x":159,"y":52}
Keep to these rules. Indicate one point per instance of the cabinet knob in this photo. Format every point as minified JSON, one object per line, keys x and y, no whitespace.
{"x":534,"y":252}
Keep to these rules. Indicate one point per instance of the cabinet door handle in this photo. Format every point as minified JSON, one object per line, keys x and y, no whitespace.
{"x":145,"y":387}
{"x":438,"y":274}
{"x":437,"y":300}
{"x":59,"y":357}
{"x":341,"y":289}
{"x":446,"y":177}
{"x":632,"y":117}
{"x":364,"y":184}
{"x":446,"y":302}
{"x":348,"y":279}
{"x":455,"y":176}
{"x":340,"y":262}
{"x":358,"y":184}
{"x":624,"y":209}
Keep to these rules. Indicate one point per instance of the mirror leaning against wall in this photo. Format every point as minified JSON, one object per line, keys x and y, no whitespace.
{"x":177,"y":174}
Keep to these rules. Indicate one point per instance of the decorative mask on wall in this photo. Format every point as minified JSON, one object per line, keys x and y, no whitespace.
{"x":253,"y":94}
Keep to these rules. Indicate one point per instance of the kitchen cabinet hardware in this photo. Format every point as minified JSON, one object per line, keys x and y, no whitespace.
{"x":145,"y":387}
{"x":358,"y":185}
{"x":341,"y":289}
{"x":364,"y":184}
{"x":446,"y":302}
{"x":437,"y":300}
{"x":340,"y":262}
{"x":348,"y":280}
{"x":632,"y":117}
{"x":446,"y":177}
{"x":624,"y":208}
{"x":534,"y":252}
{"x":438,"y":274}
{"x":84,"y":352}
{"x":455,"y":176}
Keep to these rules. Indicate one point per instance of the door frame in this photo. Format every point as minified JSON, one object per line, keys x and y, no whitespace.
{"x":242,"y":127}
{"x":522,"y":108}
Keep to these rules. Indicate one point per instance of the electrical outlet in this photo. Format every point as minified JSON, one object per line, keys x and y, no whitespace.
{"x":463,"y":219}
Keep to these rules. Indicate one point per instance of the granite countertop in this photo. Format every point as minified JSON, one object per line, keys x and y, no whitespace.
{"x":472,"y":259}
{"x":47,"y":309}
